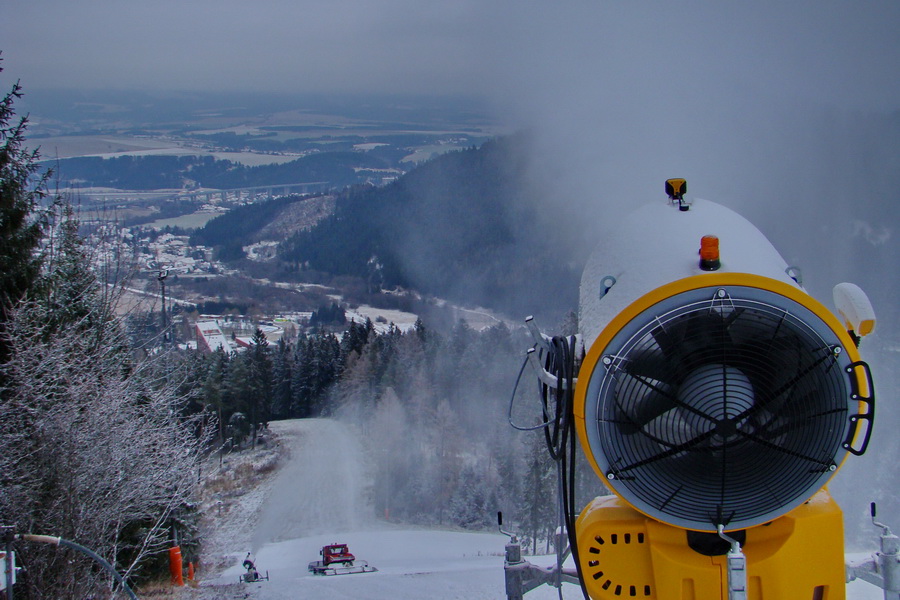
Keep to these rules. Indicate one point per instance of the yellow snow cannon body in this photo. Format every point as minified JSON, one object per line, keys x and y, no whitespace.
{"x":716,"y":400}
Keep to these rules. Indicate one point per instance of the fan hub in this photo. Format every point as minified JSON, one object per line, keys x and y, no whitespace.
{"x":725,"y":428}
{"x":718,"y":391}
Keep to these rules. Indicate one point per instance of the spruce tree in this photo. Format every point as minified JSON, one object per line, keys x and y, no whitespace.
{"x":70,"y":289}
{"x":281,"y":381}
{"x":260,"y":379}
{"x":22,"y":222}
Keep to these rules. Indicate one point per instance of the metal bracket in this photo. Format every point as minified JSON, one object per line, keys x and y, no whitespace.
{"x":882,"y":569}
{"x":542,"y":343}
{"x":539,"y":338}
{"x":736,"y":566}
{"x":522,"y":576}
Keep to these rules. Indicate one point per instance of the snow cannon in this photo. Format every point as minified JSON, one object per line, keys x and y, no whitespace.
{"x":252,"y":574}
{"x":716,"y":400}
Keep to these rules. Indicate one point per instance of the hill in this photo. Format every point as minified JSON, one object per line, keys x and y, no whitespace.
{"x":176,"y":172}
{"x":465,"y":226}
{"x":284,"y":510}
{"x":273,"y":508}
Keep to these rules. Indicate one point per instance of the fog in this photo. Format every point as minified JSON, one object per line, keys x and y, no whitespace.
{"x":572,"y":54}
{"x":787,"y":112}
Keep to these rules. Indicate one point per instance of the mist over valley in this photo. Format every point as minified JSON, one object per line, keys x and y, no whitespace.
{"x":271,"y":295}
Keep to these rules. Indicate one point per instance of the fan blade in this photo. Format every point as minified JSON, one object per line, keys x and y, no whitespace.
{"x":652,"y":364}
{"x":644,"y":400}
{"x":670,"y":429}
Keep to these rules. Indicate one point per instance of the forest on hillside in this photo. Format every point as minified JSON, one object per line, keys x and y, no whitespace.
{"x":103,"y":439}
{"x":466,"y":226}
{"x":431,"y":408}
{"x":97,"y":446}
{"x":336,"y":169}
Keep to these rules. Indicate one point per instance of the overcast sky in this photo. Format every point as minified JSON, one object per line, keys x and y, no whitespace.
{"x":620,"y":94}
{"x":842,"y":52}
{"x":775,"y":107}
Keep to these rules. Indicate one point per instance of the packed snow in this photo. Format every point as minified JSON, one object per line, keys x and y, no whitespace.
{"x":629,"y":269}
{"x":317,"y":497}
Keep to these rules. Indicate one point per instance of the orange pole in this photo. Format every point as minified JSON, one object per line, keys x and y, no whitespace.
{"x":175,"y":565}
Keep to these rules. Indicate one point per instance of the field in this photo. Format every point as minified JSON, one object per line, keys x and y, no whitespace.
{"x":228,"y":127}
{"x":191,"y":221}
{"x":108,"y":146}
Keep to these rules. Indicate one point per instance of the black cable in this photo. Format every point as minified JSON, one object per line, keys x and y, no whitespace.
{"x":58,"y":541}
{"x":555,"y":364}
{"x":559,"y":432}
{"x":568,"y":470}
{"x":559,"y":429}
{"x":512,"y":400}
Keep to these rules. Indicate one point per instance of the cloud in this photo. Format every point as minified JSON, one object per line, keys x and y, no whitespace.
{"x":333,"y":46}
{"x":655,"y":54}
{"x":876,"y":236}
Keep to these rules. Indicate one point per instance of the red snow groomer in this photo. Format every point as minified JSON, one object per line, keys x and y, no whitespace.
{"x":337,"y":560}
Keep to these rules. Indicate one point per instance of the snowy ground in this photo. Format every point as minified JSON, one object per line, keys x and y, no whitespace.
{"x":410,"y":563}
{"x":476,"y":318}
{"x":317,"y":498}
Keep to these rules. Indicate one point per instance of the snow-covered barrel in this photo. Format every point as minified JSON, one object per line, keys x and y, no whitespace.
{"x":657,"y":244}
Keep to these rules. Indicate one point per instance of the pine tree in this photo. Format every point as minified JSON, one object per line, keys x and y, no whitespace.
{"x":236,"y":388}
{"x":302,"y":375}
{"x":22,"y":220}
{"x":281,"y":381}
{"x":260,"y":381}
{"x":540,"y":492}
{"x":69,"y":289}
{"x":420,"y":330}
{"x":328,"y":355}
{"x":212,"y":388}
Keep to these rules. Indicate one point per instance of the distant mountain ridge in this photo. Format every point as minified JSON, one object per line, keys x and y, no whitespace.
{"x":464,"y":226}
{"x":176,"y":172}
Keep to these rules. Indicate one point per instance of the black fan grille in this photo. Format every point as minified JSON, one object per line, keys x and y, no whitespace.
{"x":722,"y":411}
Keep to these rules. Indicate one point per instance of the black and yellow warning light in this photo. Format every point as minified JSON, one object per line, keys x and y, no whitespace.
{"x":676,"y":189}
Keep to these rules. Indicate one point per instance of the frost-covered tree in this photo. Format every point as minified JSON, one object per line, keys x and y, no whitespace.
{"x":68,"y":288}
{"x":539,"y":515}
{"x":98,"y":451}
{"x":447,"y":442}
{"x":94,"y":446}
{"x":446,"y":399}
{"x":470,"y":505}
{"x":390,"y":454}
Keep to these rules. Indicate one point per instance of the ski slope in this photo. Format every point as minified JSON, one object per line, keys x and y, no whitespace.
{"x":318,"y":498}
